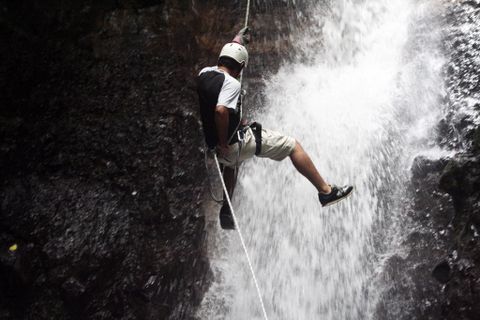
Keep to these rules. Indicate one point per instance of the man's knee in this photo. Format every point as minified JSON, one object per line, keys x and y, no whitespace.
{"x":296,"y":148}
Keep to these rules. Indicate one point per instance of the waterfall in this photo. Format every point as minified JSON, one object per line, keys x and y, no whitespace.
{"x":363,"y":106}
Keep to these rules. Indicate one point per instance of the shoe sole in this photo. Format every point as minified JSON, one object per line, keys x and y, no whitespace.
{"x":340,"y":199}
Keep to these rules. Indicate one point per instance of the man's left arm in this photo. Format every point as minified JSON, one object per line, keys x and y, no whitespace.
{"x":221,"y":123}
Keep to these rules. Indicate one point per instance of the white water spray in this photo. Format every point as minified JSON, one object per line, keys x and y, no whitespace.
{"x":362,"y":108}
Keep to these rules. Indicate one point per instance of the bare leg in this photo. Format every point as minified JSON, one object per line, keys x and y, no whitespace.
{"x":230,"y":181}
{"x":226,"y":218}
{"x":302,"y":162}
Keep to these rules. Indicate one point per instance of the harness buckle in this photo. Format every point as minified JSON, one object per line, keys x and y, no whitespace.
{"x":240,"y":136}
{"x":257,"y":133}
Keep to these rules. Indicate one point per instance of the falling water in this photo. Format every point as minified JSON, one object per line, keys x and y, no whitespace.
{"x":363,"y":106}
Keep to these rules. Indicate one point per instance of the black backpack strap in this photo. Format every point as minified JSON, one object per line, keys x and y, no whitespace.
{"x":257,"y":133}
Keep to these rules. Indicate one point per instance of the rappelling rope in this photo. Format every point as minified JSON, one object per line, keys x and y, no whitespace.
{"x":227,"y":197}
{"x":237,"y":227}
{"x":247,"y":13}
{"x":247,"y":16}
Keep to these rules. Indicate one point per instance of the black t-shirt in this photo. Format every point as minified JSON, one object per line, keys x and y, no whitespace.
{"x":216,"y":87}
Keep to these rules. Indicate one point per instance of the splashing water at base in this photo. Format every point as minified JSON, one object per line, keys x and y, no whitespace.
{"x":362,"y":108}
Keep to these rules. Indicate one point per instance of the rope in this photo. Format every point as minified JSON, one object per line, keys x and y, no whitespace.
{"x":247,"y":14}
{"x":226,"y":195}
{"x":237,"y":227}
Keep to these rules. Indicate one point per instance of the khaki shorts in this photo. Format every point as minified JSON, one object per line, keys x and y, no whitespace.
{"x":275,"y":146}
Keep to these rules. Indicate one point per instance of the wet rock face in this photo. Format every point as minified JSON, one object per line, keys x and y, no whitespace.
{"x":461,"y":176}
{"x":100,"y":161}
{"x":414,"y":292}
{"x":440,"y":277}
{"x":458,"y":129}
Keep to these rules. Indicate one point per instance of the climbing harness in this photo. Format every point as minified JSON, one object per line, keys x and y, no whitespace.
{"x":257,"y":133}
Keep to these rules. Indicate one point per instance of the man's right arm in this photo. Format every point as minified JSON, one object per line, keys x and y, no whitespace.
{"x":221,"y":122}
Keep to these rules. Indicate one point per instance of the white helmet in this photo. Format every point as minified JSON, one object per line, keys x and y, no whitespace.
{"x":235,"y":51}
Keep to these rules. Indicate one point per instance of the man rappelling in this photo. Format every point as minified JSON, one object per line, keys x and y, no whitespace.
{"x":220,"y":98}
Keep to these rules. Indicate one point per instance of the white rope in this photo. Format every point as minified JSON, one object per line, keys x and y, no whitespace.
{"x":237,"y":227}
{"x":247,"y":14}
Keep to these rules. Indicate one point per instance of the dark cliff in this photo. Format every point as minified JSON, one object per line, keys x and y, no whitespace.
{"x":99,"y":159}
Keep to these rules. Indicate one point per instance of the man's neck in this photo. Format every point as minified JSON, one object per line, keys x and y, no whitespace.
{"x":225,"y":69}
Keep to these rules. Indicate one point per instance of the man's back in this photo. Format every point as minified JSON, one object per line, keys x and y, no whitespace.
{"x":217,"y":88}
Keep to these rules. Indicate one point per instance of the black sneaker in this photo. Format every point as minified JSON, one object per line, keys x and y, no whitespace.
{"x":226,"y":218}
{"x":337,"y":194}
